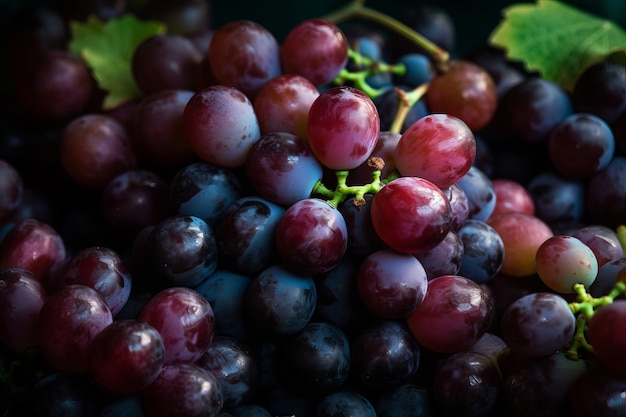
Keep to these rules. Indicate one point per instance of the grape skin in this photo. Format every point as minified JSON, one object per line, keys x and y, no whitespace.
{"x":605,"y":335}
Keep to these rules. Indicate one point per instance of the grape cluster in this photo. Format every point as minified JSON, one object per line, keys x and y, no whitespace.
{"x":340,"y":222}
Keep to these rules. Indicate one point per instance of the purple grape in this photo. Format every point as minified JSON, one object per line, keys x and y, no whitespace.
{"x":481,"y":195}
{"x":605,"y":196}
{"x":362,"y":238}
{"x":537,"y":324}
{"x":279,"y":301}
{"x":600,"y":90}
{"x":483,"y":251}
{"x":557,"y":199}
{"x":599,"y":392}
{"x":443,"y":259}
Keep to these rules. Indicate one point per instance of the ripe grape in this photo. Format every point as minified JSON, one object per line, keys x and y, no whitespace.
{"x":95,"y":148}
{"x":454,"y":315}
{"x":600,"y":90}
{"x":391,"y":284}
{"x":605,"y":194}
{"x":166,"y":61}
{"x":563,"y":261}
{"x":464,"y":90}
{"x":362,"y":238}
{"x":21,"y":297}
{"x":343,"y":127}
{"x":311,"y":237}
{"x":11,"y":189}
{"x":245,"y":55}
{"x":315,"y":49}
{"x":459,"y":205}
{"x":411,"y":214}
{"x":344,"y":402}
{"x":581,"y":145}
{"x":604,"y":335}
{"x":185,"y":321}
{"x":282,"y":168}
{"x":405,"y":400}
{"x":126,"y":356}
{"x":512,"y":196}
{"x":538,"y":324}
{"x":69,"y":321}
{"x":443,"y":259}
{"x":483,"y":251}
{"x":438,"y":147}
{"x":598,"y":391}
{"x":480,"y":193}
{"x":557,"y":199}
{"x":220,"y":124}
{"x":602,"y":240}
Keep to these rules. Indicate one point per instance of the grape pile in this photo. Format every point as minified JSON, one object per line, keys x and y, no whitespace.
{"x":347,"y":221}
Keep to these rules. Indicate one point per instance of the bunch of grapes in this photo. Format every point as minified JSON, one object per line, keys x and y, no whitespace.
{"x":342,"y":222}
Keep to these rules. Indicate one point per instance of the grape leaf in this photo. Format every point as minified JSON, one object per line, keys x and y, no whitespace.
{"x":556,"y":40}
{"x":107,"y":48}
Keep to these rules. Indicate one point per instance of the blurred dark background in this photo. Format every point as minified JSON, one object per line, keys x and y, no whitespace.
{"x":473,"y":20}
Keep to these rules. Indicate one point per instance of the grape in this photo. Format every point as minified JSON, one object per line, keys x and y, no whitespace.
{"x":411,"y":214}
{"x":433,"y":22}
{"x":135,"y":199}
{"x":343,"y":127}
{"x":183,"y":389}
{"x":490,"y":345}
{"x":454,"y":315}
{"x":466,"y":384}
{"x":166,"y":61}
{"x":245,"y":55}
{"x":600,"y":90}
{"x":405,"y":400}
{"x":279,"y":301}
{"x":60,"y":394}
{"x":438,"y":147}
{"x":362,"y":238}
{"x":94,"y":149}
{"x":602,"y":241}
{"x":605,"y":194}
{"x":391,"y":284}
{"x":483,"y":251}
{"x":232,"y":363}
{"x":608,"y":275}
{"x":530,"y":109}
{"x":537,"y":324}
{"x":156,"y":126}
{"x":317,"y":358}
{"x":384,"y":354}
{"x":225,"y":291}
{"x":282,"y":168}
{"x":182,"y":251}
{"x":557,"y":199}
{"x":418,"y":70}
{"x":69,"y":321}
{"x":599,"y":392}
{"x":220,"y":124}
{"x":126,"y":356}
{"x":563,"y":261}
{"x":54,"y":87}
{"x":21,"y":297}
{"x":180,"y":17}
{"x":204,"y":190}
{"x":443,"y":259}
{"x":385,"y":146}
{"x":459,"y":205}
{"x":480,"y":193}
{"x":311,"y":236}
{"x":185,"y":321}
{"x":580,"y":146}
{"x":126,"y":406}
{"x":35,"y":246}
{"x":604,"y":335}
{"x":11,"y":189}
{"x":245,"y":235}
{"x":102,"y":269}
{"x":341,"y":403}
{"x":522,"y":235}
{"x":539,"y":386}
{"x":512,"y":196}
{"x":315,"y":49}
{"x":282,"y":104}
{"x":464,"y":90}
{"x":504,"y":74}
{"x":388,"y":103}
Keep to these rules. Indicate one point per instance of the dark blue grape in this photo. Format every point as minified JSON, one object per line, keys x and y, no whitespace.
{"x":384,"y":354}
{"x":466,"y":384}
{"x":483,"y":251}
{"x":406,"y":400}
{"x":317,"y":358}
{"x":61,"y":394}
{"x":279,"y":301}
{"x":481,"y":195}
{"x":419,"y":69}
{"x":362,"y":238}
{"x":225,"y":291}
{"x":182,"y":250}
{"x":557,"y":199}
{"x":204,"y":190}
{"x":344,"y":403}
{"x":233,"y":364}
{"x":245,"y":235}
{"x":605,"y":195}
{"x":607,"y":277}
{"x":601,"y":90}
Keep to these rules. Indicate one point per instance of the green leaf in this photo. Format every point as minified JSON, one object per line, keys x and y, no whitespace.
{"x":556,"y":40}
{"x":108,"y":48}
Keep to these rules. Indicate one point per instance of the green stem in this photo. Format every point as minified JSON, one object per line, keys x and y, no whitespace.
{"x":357,"y":9}
{"x":621,"y":236}
{"x":406,"y":100}
{"x":342,"y":191}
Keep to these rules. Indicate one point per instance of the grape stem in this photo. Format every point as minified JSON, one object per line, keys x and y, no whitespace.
{"x":406,"y":100}
{"x":584,"y":308}
{"x":342,"y":191}
{"x":357,"y":9}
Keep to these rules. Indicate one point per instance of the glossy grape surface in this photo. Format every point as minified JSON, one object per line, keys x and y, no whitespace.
{"x":605,"y":337}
